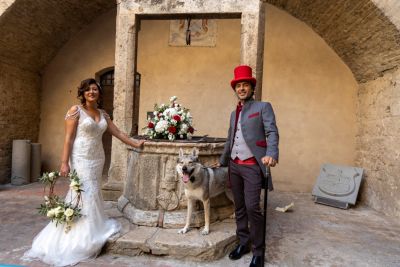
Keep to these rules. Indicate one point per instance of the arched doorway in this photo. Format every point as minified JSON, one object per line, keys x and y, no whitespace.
{"x":106,"y":78}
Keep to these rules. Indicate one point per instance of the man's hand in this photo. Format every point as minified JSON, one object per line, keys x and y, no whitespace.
{"x":268,"y":161}
{"x":215,"y":165}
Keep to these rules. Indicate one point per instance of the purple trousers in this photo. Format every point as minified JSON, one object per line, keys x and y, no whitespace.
{"x":246,"y":182}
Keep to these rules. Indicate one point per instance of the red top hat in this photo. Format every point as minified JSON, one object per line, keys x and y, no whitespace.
{"x":243,"y":73}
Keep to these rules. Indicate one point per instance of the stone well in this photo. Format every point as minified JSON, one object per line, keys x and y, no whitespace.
{"x":154,"y":194}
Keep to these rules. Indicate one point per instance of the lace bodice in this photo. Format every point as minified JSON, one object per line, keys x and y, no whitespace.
{"x":88,"y":138}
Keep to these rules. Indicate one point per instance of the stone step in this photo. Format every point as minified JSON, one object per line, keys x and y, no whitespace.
{"x":167,"y":242}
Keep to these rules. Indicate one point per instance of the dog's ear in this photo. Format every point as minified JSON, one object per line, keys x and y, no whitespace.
{"x":195,"y":153}
{"x":180,"y":156}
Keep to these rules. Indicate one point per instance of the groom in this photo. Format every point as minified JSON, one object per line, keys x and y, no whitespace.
{"x":252,"y":144}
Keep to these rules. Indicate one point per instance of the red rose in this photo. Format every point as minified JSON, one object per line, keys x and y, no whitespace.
{"x":172,"y":129}
{"x":191,"y":130}
{"x":150,"y":125}
{"x":177,"y":117}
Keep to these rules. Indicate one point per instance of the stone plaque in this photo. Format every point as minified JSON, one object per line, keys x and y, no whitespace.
{"x":337,"y":185}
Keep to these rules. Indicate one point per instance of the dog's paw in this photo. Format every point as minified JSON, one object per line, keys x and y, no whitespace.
{"x":205,"y":231}
{"x":183,"y":230}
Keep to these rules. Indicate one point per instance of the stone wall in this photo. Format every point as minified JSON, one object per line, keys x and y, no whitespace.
{"x":314,"y":95}
{"x":378,"y":146}
{"x":19,"y":112}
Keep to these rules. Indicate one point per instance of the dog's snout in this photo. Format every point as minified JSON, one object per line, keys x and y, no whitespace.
{"x":184,"y":168}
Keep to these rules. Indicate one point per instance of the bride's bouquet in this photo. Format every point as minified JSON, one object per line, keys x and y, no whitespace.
{"x":54,"y":208}
{"x":169,"y":122}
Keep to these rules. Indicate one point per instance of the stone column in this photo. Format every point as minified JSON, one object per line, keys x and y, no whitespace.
{"x":252,"y":43}
{"x":123,"y":99}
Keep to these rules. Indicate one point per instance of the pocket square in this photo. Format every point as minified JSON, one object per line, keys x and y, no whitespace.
{"x":261,"y":143}
{"x":254,"y":115}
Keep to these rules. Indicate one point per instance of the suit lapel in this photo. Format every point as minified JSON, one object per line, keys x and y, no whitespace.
{"x":232,"y":125}
{"x":246,"y":110}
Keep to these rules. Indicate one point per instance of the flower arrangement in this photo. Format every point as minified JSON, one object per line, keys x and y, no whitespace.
{"x":169,"y":122}
{"x":57,"y":210}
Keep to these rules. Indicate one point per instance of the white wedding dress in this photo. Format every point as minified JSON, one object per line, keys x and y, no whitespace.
{"x":90,"y":232}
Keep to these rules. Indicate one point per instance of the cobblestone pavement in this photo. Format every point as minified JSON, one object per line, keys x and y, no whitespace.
{"x":309,"y":235}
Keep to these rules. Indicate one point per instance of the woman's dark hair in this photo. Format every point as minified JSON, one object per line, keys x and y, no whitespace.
{"x":84,"y":86}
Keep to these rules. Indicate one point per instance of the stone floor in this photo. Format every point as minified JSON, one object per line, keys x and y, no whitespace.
{"x":309,"y":235}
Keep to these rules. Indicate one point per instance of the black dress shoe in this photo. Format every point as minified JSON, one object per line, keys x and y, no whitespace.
{"x":238,"y":252}
{"x":256,"y":261}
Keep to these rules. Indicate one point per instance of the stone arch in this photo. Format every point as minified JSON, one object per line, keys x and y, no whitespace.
{"x":33,"y":31}
{"x":360,"y":32}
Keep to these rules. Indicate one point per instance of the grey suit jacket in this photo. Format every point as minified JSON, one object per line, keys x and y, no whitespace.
{"x":259,"y":131}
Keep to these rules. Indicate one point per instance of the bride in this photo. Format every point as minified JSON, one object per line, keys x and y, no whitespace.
{"x":83,"y":152}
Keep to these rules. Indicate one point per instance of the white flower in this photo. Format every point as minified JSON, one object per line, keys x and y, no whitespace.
{"x":155,"y":113}
{"x":161,"y":126}
{"x":58,"y":210}
{"x":46,"y":200}
{"x":170,"y":112}
{"x":173,"y":98}
{"x":184,"y":128}
{"x":69,"y":212}
{"x":171,"y":137}
{"x":173,"y":122}
{"x":51,"y":175}
{"x":74,"y":185}
{"x":51,"y":213}
{"x":181,"y":136}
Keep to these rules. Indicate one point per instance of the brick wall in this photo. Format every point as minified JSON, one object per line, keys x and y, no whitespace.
{"x":378,"y":142}
{"x":19,"y":112}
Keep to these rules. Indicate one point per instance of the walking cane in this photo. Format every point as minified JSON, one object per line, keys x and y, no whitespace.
{"x":268,"y":176}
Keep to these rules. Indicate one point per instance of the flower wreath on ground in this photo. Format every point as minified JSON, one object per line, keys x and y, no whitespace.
{"x":169,"y":122}
{"x":57,"y":210}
